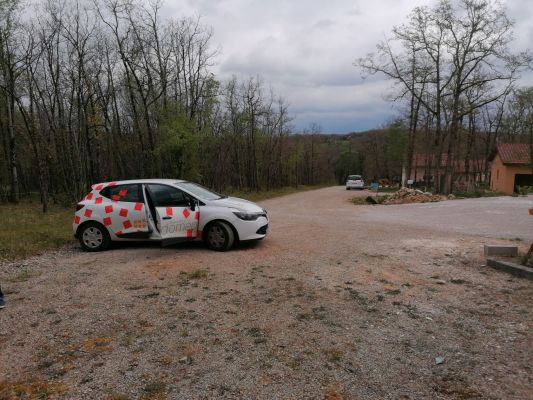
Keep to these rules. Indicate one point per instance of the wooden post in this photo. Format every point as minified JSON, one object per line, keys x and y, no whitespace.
{"x":528,"y":254}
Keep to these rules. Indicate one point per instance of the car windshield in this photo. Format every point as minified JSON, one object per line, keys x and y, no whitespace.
{"x":354,"y":177}
{"x":199,"y":191}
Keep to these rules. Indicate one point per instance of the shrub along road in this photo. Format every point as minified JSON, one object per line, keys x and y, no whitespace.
{"x":340,"y":301}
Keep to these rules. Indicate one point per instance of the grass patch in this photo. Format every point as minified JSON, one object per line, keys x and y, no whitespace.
{"x":155,"y":387}
{"x":359,"y":201}
{"x":355,"y":295}
{"x":98,"y":345}
{"x":187,"y":278}
{"x":27,"y":231}
{"x":476,"y":193}
{"x":389,"y":189}
{"x":117,"y":396}
{"x":23,"y":276}
{"x":333,"y":355}
{"x":34,"y":389}
{"x":393,"y":292}
{"x":269,"y":194}
{"x":197,"y":274}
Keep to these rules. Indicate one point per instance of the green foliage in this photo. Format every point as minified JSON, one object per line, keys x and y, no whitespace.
{"x":348,"y":163}
{"x":476,"y":193}
{"x":395,"y":147}
{"x":525,"y":190}
{"x":178,"y":147}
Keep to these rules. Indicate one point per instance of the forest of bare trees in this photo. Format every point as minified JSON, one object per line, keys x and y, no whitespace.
{"x":96,"y":90}
{"x":104,"y":90}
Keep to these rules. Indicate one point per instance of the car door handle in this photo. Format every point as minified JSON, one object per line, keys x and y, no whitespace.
{"x":167,"y":217}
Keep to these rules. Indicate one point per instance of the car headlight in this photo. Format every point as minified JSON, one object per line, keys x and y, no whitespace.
{"x":246,"y":216}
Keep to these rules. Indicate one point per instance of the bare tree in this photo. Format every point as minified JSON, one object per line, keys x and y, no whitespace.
{"x":455,"y":60}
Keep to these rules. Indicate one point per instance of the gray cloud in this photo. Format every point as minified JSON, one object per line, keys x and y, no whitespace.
{"x":305,"y":50}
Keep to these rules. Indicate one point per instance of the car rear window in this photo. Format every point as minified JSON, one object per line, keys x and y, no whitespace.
{"x":354,"y":177}
{"x":128,"y":193}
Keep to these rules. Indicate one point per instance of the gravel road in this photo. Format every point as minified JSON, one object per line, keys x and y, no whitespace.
{"x":338,"y":302}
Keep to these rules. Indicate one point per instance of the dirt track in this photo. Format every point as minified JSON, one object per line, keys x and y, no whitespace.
{"x":338,"y":302}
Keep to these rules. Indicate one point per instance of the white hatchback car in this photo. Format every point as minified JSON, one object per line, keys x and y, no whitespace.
{"x":166,"y":210}
{"x":355,"y":182}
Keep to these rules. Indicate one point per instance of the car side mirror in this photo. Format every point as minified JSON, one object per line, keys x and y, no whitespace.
{"x":192,"y":204}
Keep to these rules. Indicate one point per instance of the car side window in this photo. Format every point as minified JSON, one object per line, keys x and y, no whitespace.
{"x":128,"y":193}
{"x":167,"y":196}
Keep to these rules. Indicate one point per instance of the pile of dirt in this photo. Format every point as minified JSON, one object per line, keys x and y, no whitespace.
{"x":405,"y":196}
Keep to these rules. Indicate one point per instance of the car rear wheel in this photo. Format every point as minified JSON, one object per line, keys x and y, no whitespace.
{"x":94,"y":237}
{"x":220,"y":236}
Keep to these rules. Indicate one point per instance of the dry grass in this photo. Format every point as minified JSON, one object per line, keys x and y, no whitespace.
{"x":197,"y":274}
{"x":98,"y":344}
{"x":35,"y":389}
{"x":27,"y":231}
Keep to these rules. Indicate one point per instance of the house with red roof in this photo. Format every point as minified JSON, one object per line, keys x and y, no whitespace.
{"x":511,"y":167}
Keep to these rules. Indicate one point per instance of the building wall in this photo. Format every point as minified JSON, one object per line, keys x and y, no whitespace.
{"x":459,"y":177}
{"x":502,"y":176}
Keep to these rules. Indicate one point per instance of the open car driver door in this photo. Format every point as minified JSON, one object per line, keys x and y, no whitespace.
{"x":174,"y":212}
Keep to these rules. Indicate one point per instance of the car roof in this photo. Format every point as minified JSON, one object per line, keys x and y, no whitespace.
{"x":130,"y":181}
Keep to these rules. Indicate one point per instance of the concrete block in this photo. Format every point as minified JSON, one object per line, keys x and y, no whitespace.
{"x":512,"y":268}
{"x":501,"y":251}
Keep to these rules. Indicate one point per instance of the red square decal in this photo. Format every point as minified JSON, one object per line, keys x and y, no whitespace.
{"x":98,"y":200}
{"x":77,"y":219}
{"x":138,"y":206}
{"x":189,"y":233}
{"x":99,"y":187}
{"x":109,"y":209}
{"x":169,"y":211}
{"x":107,"y":221}
{"x":115,"y":197}
{"x":123,"y":192}
{"x":126,"y":224}
{"x":90,"y":196}
{"x":186,"y":213}
{"x":123,"y":212}
{"x":197,"y":216}
{"x":118,"y":233}
{"x":111,"y":184}
{"x":88,"y":213}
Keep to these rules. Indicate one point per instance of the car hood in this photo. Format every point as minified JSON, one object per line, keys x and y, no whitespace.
{"x":234,"y":202}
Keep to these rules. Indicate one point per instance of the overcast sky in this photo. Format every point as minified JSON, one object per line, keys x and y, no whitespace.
{"x":305,"y":49}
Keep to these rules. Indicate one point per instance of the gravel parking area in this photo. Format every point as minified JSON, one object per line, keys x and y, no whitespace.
{"x":338,"y":302}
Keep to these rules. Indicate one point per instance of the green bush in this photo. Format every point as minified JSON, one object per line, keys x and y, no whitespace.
{"x":476,"y":193}
{"x":524,"y":190}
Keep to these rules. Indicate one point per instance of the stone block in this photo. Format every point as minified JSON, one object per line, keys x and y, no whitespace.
{"x":501,"y":251}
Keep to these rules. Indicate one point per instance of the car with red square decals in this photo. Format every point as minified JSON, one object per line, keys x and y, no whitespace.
{"x":165,"y":210}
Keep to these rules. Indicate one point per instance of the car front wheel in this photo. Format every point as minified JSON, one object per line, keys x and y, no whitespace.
{"x":220,"y":236}
{"x":94,"y":237}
